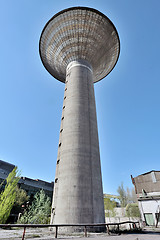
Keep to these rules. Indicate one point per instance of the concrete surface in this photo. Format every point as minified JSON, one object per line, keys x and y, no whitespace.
{"x":78,"y":194}
{"x":79,"y":33}
{"x":45,"y":234}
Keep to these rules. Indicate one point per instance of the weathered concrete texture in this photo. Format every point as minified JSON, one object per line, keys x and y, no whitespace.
{"x":78,"y":194}
{"x":73,"y":39}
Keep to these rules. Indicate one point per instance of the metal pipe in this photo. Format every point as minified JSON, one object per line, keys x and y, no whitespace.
{"x":85,"y":231}
{"x":56,"y":232}
{"x":24,"y":233}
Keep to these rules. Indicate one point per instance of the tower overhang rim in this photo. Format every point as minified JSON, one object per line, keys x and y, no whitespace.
{"x":83,"y":8}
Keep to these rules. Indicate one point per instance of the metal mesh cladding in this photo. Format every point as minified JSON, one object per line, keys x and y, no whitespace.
{"x":79,"y":33}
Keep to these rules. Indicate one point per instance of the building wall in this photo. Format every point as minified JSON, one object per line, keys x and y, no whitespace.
{"x":150,"y":182}
{"x":147,"y":187}
{"x":127,"y":226}
{"x":5,"y":169}
{"x":149,"y":207}
{"x":31,"y":186}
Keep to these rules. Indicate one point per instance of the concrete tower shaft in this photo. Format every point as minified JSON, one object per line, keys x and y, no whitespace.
{"x":79,"y":46}
{"x":78,"y":195}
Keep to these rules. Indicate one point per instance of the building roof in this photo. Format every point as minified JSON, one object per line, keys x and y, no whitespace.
{"x":6,"y":166}
{"x":148,"y":172}
{"x":148,"y":182}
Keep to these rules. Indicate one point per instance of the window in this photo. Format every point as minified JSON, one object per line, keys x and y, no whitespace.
{"x":60,"y":144}
{"x":62,"y":118}
{"x":58,"y":161}
{"x":149,"y":219}
{"x":56,"y":180}
{"x":61,"y":130}
{"x":63,"y":107}
{"x":66,"y":89}
{"x":64,"y":97}
{"x":153,"y":177}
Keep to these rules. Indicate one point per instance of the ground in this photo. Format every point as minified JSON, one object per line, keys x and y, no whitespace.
{"x":45,"y":234}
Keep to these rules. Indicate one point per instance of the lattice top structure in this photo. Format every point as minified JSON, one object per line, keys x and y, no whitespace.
{"x":79,"y":33}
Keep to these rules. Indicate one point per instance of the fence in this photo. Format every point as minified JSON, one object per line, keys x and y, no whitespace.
{"x":68,"y":225}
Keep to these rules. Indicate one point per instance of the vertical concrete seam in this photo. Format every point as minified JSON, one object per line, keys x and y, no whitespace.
{"x":55,"y":192}
{"x":88,"y":83}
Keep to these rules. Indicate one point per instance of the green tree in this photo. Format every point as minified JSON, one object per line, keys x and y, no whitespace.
{"x":21,"y":198}
{"x":122,"y":195}
{"x":132,"y":210}
{"x":131,"y":195}
{"x":39,"y":211}
{"x":8,"y":195}
{"x":109,"y":206}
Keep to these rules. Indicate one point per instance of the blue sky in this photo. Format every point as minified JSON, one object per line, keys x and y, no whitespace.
{"x":128,"y":99}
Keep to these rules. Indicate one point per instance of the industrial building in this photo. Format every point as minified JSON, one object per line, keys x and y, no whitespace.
{"x":31,"y":186}
{"x":147,"y":188}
